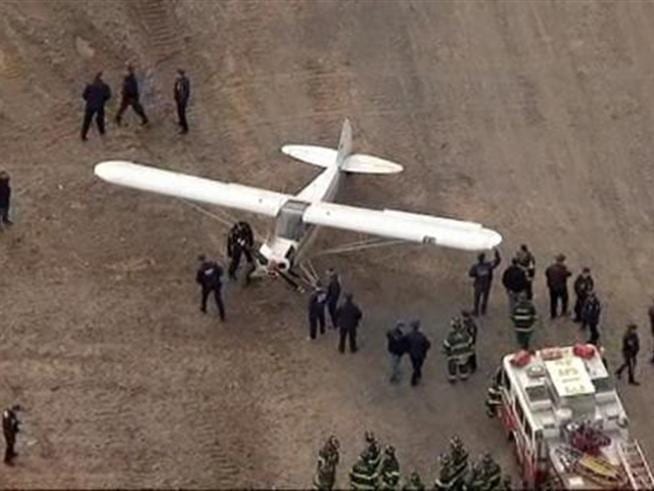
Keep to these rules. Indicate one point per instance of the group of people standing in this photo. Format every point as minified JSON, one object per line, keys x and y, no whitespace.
{"x":97,"y":93}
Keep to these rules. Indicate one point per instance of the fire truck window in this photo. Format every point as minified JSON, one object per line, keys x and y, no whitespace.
{"x":537,"y":393}
{"x":602,"y":384}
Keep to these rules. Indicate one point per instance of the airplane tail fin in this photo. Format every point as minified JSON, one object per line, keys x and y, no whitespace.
{"x":342,"y":157}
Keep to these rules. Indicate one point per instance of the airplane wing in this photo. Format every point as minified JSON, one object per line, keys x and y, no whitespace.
{"x":411,"y":227}
{"x":190,"y":187}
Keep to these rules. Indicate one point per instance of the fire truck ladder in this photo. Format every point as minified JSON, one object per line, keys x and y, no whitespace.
{"x":638,"y":471}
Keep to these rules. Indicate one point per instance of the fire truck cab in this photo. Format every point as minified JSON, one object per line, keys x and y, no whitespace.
{"x":552,"y":399}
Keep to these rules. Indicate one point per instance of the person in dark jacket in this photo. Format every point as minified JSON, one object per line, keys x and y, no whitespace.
{"x":590,"y":316}
{"x":333,"y":294}
{"x":96,"y":94}
{"x":239,"y":243}
{"x":482,"y":273}
{"x":417,"y":347}
{"x":583,"y":285}
{"x":209,"y":277}
{"x":317,"y":301}
{"x":348,"y":317}
{"x":630,"y":349}
{"x":527,"y":262}
{"x":515,"y":281}
{"x":5,"y":199}
{"x":182,"y":93}
{"x":10,"y":428}
{"x":397,"y":346}
{"x":130,"y":97}
{"x":557,"y":282}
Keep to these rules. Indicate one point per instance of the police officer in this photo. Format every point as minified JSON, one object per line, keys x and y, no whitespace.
{"x":527,"y":262}
{"x":240,"y":242}
{"x":414,"y":483}
{"x":458,"y":348}
{"x":5,"y":199}
{"x":482,"y":273}
{"x":446,"y":475}
{"x":130,"y":97}
{"x":557,"y":282}
{"x":328,"y":458}
{"x":96,"y":94}
{"x":10,"y":428}
{"x":182,"y":93}
{"x":583,"y":285}
{"x":348,"y":317}
{"x":317,"y":310}
{"x":524,"y":317}
{"x":333,"y":295}
{"x":630,"y":349}
{"x":390,"y":470}
{"x":417,"y":345}
{"x":590,"y":316}
{"x":515,"y":281}
{"x":470,"y":326}
{"x":459,"y":460}
{"x":209,"y":277}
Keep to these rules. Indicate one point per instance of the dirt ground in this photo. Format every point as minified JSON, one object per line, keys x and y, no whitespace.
{"x":534,"y":118}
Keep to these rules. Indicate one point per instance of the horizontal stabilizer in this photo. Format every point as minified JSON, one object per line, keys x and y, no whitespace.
{"x":411,"y":227}
{"x":367,"y":164}
{"x":193,"y":188}
{"x":311,"y":154}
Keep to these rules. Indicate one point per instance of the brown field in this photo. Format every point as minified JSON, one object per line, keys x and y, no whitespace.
{"x":534,"y":118}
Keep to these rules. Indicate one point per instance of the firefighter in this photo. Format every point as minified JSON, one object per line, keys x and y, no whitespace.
{"x":524,"y":317}
{"x":181,"y":94}
{"x":373,"y":450}
{"x":527,"y":262}
{"x":317,"y":310}
{"x":506,"y":484}
{"x":491,"y":473}
{"x":333,"y":295}
{"x":482,"y":273}
{"x":590,"y":315}
{"x":414,"y":483}
{"x":240,"y":242}
{"x":475,"y":478}
{"x":130,"y":97}
{"x":630,"y":348}
{"x":390,"y":470}
{"x":348,"y":317}
{"x":459,"y":460}
{"x":95,"y":95}
{"x":583,"y":285}
{"x":328,"y":458}
{"x":494,"y":395}
{"x":10,"y":428}
{"x":557,"y":282}
{"x":5,"y":199}
{"x":362,"y":476}
{"x":472,"y":329}
{"x":209,"y":277}
{"x":417,"y":345}
{"x":515,"y":281}
{"x":445,"y":479}
{"x":458,"y":348}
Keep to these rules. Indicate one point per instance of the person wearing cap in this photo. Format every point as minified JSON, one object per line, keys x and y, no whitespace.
{"x":583,"y":285}
{"x":348,"y":317}
{"x":557,"y":276}
{"x":458,"y":349}
{"x":333,"y":295}
{"x":209,"y":277}
{"x":482,"y":274}
{"x":317,"y":301}
{"x":182,"y":93}
{"x":630,"y":349}
{"x":590,"y":316}
{"x":397,"y":346}
{"x":5,"y":199}
{"x":515,"y":281}
{"x":417,"y":346}
{"x":95,"y":95}
{"x":130,"y":97}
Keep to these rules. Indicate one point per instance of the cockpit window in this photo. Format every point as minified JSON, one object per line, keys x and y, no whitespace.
{"x":289,"y":223}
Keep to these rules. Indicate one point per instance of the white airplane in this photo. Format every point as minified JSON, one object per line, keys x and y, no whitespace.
{"x":298,"y":217}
